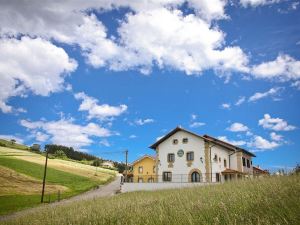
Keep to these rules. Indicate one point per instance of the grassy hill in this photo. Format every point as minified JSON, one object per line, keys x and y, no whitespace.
{"x":266,"y":201}
{"x":9,"y":144}
{"x":26,"y":170}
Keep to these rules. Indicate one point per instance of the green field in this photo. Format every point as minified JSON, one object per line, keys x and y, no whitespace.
{"x":267,"y":201}
{"x":75,"y":184}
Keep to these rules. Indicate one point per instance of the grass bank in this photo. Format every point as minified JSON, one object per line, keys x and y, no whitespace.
{"x":75,"y":184}
{"x":268,"y":201}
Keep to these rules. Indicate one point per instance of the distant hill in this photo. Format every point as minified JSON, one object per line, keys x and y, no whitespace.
{"x":9,"y":144}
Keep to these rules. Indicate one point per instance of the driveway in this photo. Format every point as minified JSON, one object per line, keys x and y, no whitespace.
{"x":103,"y":191}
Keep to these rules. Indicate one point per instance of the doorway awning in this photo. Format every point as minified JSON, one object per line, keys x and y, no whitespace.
{"x":231,"y":171}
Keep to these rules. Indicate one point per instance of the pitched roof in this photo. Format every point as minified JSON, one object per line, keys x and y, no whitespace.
{"x":227,"y":145}
{"x":260,"y":170}
{"x":141,"y":158}
{"x":230,"y":171}
{"x":178,"y":128}
{"x":205,"y":137}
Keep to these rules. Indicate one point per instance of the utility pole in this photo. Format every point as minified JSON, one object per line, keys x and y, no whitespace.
{"x":44,"y":179}
{"x":126,"y":167}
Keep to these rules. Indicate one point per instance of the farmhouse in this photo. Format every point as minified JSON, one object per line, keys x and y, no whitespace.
{"x":143,"y":169}
{"x":183,"y":156}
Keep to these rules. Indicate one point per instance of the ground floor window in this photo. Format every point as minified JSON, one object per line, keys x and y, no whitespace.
{"x":140,"y":180}
{"x":167,"y":176}
{"x":150,"y":180}
{"x":195,"y":177}
{"x":217,"y":177}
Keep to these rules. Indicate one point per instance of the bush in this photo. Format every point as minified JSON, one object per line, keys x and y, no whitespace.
{"x":2,"y":145}
{"x":60,"y":154}
{"x":97,"y":162}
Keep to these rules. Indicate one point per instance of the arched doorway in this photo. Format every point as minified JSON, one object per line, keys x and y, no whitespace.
{"x":195,"y":177}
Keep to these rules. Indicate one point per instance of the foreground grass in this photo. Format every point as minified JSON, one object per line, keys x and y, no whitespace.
{"x":75,"y":184}
{"x":268,"y":201}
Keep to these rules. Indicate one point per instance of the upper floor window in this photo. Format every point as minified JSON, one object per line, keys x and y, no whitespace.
{"x":219,"y":159}
{"x":248,"y":163}
{"x":171,"y":157}
{"x":244,"y":161}
{"x":216,"y":158}
{"x":185,"y":140}
{"x":225,"y":163}
{"x":190,"y":156}
{"x":140,"y":169}
{"x":175,"y":141}
{"x":167,"y":176}
{"x":153,"y":169}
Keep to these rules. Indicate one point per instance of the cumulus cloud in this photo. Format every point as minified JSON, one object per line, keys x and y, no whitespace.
{"x":255,"y":3}
{"x":259,"y":95}
{"x":276,"y":137}
{"x":132,"y":136}
{"x":296,"y":84}
{"x":96,"y":110}
{"x":238,"y":127}
{"x":31,"y":65}
{"x":262,"y":144}
{"x":142,"y":122}
{"x":283,"y":68}
{"x":105,"y":143}
{"x":66,"y":132}
{"x":233,"y":142}
{"x":276,"y":124}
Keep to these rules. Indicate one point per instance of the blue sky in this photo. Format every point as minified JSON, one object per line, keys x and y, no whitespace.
{"x":112,"y":75}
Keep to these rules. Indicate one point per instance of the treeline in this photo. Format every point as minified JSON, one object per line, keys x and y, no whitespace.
{"x":70,"y":152}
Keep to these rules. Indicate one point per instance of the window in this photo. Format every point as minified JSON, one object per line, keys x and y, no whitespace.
{"x":248,"y":163}
{"x":140,"y":169}
{"x":175,"y":141}
{"x":153,"y":169}
{"x":216,"y":157}
{"x":167,"y":176}
{"x":219,"y":159}
{"x":244,"y":161}
{"x":150,"y":180}
{"x":190,"y":156}
{"x":195,"y":177}
{"x":171,"y":157}
{"x":140,"y":180}
{"x":225,"y":163}
{"x":251,"y":162}
{"x":217,"y":177}
{"x":185,"y":140}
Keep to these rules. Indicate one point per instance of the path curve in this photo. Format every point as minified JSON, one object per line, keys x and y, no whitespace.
{"x":103,"y":191}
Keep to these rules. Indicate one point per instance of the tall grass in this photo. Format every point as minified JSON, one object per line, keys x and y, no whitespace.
{"x":268,"y":201}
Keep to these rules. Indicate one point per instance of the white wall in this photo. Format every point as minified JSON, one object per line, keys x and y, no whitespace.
{"x":195,"y":144}
{"x":217,"y":166}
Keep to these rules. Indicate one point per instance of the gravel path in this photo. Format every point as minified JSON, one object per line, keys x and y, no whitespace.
{"x":103,"y":191}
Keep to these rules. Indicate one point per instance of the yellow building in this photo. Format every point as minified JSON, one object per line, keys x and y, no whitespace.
{"x":144,"y":170}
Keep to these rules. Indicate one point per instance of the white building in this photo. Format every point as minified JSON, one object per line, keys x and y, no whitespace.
{"x":183,"y":156}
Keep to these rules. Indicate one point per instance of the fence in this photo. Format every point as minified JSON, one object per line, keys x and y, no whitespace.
{"x":178,"y":178}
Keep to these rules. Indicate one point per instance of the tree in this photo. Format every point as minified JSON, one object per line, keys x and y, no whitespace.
{"x":60,"y":154}
{"x":35,"y":148}
{"x":97,"y":162}
{"x":13,"y":141}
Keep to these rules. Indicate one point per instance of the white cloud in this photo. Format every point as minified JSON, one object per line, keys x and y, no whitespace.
{"x":9,"y":137}
{"x":95,"y":110}
{"x":236,"y":143}
{"x":276,"y":137}
{"x":226,"y":106}
{"x":193,"y":116}
{"x":276,"y":124}
{"x":255,"y":3}
{"x":283,"y":68}
{"x":105,"y":143}
{"x":258,"y":95}
{"x":66,"y":132}
{"x":32,"y":65}
{"x":238,"y":127}
{"x":240,"y":100}
{"x":196,"y":124}
{"x":40,"y":136}
{"x":132,"y":136}
{"x":296,"y":84}
{"x":142,"y":122}
{"x":260,"y":143}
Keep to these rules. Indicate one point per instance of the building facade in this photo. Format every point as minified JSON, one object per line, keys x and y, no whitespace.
{"x":143,"y":170}
{"x":183,"y":156}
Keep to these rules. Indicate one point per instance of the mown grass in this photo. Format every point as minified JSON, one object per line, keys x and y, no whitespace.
{"x":75,"y":183}
{"x":268,"y":201}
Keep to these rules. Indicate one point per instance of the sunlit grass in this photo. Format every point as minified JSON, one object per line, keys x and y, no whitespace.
{"x":268,"y":201}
